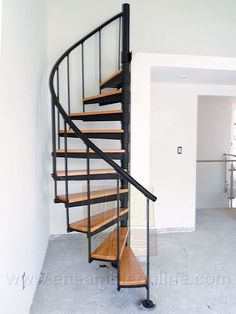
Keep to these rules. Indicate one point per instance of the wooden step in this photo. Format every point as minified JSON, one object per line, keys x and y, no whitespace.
{"x":95,"y":196}
{"x":62,"y":173}
{"x":94,"y":174}
{"x":113,"y":81}
{"x":106,"y":98}
{"x":107,"y":250}
{"x":131,"y":272}
{"x":98,"y":174}
{"x":105,"y":115}
{"x":82,"y":153}
{"x":98,"y":221}
{"x":106,"y":134}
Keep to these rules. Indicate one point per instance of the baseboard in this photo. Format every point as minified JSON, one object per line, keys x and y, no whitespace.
{"x":175,"y":230}
{"x":64,"y":236}
{"x":215,"y":208}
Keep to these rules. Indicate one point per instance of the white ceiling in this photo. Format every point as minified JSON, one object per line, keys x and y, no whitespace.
{"x":192,"y":76}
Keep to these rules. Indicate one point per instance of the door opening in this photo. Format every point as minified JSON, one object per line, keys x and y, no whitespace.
{"x":216,"y":141}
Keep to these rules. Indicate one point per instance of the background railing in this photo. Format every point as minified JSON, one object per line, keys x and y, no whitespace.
{"x":229,"y":163}
{"x":230,"y":168}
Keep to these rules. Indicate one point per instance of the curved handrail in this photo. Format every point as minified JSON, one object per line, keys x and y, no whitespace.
{"x":76,"y":130}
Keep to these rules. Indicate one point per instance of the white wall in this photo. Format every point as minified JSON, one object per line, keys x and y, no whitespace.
{"x":0,"y":24}
{"x":214,"y":126}
{"x":24,"y":152}
{"x":213,"y":139}
{"x":173,"y":124}
{"x":202,"y":27}
{"x":142,"y":150}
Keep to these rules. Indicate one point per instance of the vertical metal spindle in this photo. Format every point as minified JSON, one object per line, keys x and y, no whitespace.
{"x":58,"y":113}
{"x":231,"y":184}
{"x":119,"y":44}
{"x":225,"y":174}
{"x":148,"y":252}
{"x":54,"y":159}
{"x":118,"y":231}
{"x":82,"y":61}
{"x":100,"y":59}
{"x":148,"y":303}
{"x":129,"y":220}
{"x":58,"y":129}
{"x":88,"y":198}
{"x":68,"y":83}
{"x":58,"y":85}
{"x":66,"y":177}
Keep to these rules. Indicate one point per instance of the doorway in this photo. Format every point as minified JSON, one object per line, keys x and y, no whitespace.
{"x":216,"y":136}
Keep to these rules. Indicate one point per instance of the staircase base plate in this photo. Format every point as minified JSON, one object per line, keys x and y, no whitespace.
{"x":148,"y":304}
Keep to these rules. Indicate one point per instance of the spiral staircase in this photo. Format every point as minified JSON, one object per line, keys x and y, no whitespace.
{"x":112,"y":89}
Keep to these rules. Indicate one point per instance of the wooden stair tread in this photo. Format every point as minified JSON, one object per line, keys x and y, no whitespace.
{"x":104,"y":94}
{"x":109,"y":150}
{"x":131,"y":272}
{"x":78,"y":197}
{"x":92,"y":113}
{"x":61,"y":173}
{"x":107,"y":250}
{"x":97,"y":221}
{"x":109,"y":78}
{"x":93,"y":131}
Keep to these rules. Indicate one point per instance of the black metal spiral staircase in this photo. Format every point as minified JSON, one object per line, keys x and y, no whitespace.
{"x":116,"y":246}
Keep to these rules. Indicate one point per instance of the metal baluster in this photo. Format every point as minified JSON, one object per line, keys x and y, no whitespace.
{"x":118,"y":231}
{"x":89,"y":209}
{"x":119,"y":44}
{"x":225,"y":174}
{"x":58,"y":85}
{"x":58,"y":113}
{"x":68,"y":83}
{"x":231,"y":184}
{"x":82,"y":61}
{"x":129,"y":220}
{"x":66,"y":177}
{"x":54,"y":159}
{"x":148,"y":251}
{"x":100,"y":59}
{"x":148,"y":303}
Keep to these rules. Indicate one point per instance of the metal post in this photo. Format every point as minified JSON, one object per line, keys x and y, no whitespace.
{"x":125,"y":97}
{"x":58,"y":114}
{"x":231,"y":197}
{"x":225,"y":174}
{"x":82,"y":61}
{"x":147,"y":302}
{"x":119,"y":44}
{"x":100,"y":59}
{"x":88,"y":200}
{"x":66,"y":178}
{"x":118,"y":231}
{"x":68,"y":83}
{"x":54,"y":158}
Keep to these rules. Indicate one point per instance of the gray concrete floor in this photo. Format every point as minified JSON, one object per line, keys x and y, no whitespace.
{"x":192,"y":273}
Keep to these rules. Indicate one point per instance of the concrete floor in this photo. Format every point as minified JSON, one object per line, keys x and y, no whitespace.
{"x":193,"y":273}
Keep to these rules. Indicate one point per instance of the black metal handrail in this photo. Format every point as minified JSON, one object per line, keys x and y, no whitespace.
{"x":78,"y":133}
